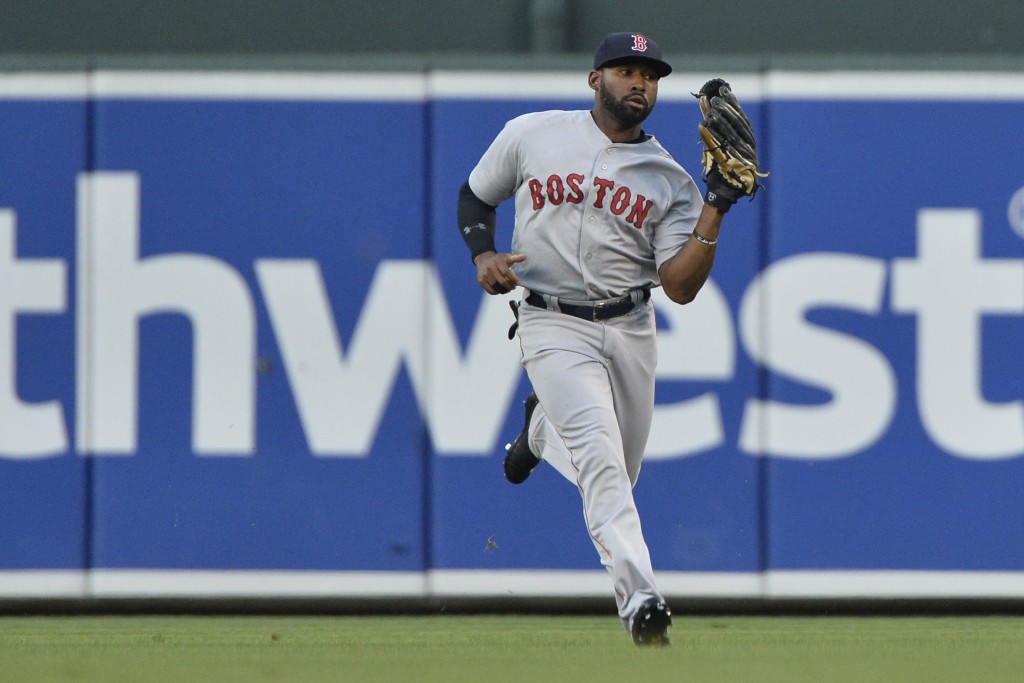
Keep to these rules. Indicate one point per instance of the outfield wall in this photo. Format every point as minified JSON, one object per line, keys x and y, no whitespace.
{"x":243,"y":352}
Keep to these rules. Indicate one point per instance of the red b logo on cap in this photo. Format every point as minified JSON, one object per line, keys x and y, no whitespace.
{"x":639,"y":43}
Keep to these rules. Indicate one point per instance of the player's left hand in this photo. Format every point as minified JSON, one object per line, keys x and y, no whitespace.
{"x":730,"y":151}
{"x":494,"y":272}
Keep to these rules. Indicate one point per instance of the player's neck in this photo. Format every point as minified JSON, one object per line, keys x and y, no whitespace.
{"x":612,"y":127}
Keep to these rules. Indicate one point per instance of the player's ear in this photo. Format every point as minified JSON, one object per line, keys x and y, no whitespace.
{"x":594,"y":80}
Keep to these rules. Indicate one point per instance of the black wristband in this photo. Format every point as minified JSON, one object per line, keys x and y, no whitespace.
{"x":478,"y":238}
{"x":477,"y":221}
{"x":720,"y":202}
{"x":720,"y":194}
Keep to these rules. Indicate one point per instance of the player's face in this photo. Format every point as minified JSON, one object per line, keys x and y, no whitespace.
{"x":628,"y":92}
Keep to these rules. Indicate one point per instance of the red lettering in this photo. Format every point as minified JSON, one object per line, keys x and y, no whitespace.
{"x":556,"y":190}
{"x":621,"y":200}
{"x":536,"y":191}
{"x":639,"y":212}
{"x":602,"y":187}
{"x":575,"y":195}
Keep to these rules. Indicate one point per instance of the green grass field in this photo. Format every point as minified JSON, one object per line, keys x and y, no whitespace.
{"x":497,"y":648}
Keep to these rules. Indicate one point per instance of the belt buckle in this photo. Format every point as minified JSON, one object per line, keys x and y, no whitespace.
{"x":600,"y":305}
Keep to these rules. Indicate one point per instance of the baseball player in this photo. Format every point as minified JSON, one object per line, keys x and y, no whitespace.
{"x":603,"y":214}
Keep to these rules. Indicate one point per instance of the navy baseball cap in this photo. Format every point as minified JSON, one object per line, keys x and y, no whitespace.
{"x":619,"y":47}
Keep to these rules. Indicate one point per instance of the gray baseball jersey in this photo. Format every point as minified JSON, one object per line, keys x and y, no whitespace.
{"x":595,"y":218}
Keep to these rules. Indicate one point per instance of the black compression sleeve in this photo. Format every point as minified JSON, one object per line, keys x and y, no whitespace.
{"x":477,"y":221}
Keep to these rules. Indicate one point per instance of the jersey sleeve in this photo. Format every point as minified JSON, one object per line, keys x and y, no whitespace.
{"x":496,"y":176}
{"x":679,"y":221}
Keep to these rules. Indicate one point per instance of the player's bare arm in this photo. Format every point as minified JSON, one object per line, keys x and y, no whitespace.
{"x":683,"y":275}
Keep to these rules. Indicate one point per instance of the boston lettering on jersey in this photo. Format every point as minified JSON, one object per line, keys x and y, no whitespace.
{"x":556,"y":191}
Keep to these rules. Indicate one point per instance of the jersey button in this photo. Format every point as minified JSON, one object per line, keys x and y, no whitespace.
{"x":604,"y":167}
{"x":591,"y":219}
{"x":589,"y":256}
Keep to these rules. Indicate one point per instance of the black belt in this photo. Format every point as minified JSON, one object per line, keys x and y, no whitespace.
{"x":599,"y":310}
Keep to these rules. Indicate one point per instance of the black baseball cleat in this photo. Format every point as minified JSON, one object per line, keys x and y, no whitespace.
{"x":520,"y":460}
{"x":650,"y":624}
